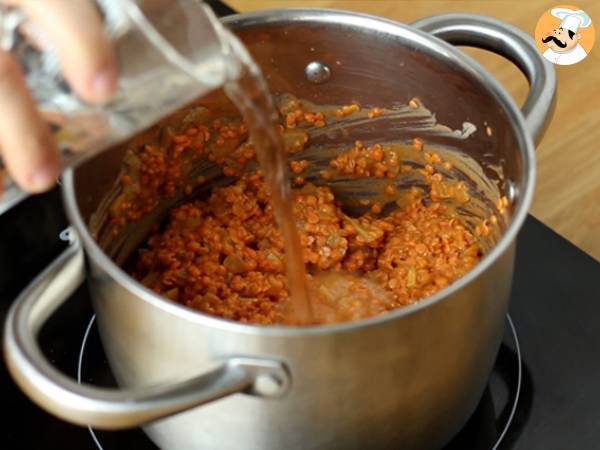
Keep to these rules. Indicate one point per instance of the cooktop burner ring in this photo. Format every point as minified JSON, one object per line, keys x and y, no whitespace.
{"x":80,"y":368}
{"x":515,"y":400}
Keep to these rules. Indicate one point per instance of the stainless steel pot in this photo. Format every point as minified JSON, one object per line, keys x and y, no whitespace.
{"x":406,"y":379}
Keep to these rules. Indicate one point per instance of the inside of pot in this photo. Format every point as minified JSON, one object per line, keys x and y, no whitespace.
{"x":434,"y":118}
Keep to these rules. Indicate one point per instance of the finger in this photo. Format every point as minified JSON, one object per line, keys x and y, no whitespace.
{"x":74,"y":29}
{"x":27,"y":146}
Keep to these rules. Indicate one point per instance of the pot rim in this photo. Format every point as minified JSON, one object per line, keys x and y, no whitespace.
{"x":435,"y":47}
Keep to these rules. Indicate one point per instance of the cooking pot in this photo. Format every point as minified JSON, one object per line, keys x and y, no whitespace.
{"x":408,"y":379}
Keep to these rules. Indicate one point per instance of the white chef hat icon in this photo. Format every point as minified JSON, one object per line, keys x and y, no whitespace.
{"x":571,"y":19}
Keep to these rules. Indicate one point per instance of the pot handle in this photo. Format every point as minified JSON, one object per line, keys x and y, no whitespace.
{"x":506,"y":40}
{"x":104,"y":407}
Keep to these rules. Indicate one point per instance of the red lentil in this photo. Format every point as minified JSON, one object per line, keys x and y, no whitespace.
{"x":418,"y":143}
{"x":347,"y":110}
{"x":390,"y":189}
{"x":375,"y":112}
{"x":326,"y":174}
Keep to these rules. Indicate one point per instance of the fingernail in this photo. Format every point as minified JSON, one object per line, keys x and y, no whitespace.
{"x":43,"y":179}
{"x":104,"y":83}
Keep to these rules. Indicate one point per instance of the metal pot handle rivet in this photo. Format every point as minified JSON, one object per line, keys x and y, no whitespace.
{"x":317,"y":72}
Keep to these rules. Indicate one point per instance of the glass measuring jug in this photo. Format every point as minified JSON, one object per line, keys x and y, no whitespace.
{"x":169,"y":52}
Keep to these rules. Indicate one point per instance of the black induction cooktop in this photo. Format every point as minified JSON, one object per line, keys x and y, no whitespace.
{"x":543,"y":394}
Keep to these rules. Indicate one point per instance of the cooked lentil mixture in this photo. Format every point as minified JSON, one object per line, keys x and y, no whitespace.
{"x":224,"y":255}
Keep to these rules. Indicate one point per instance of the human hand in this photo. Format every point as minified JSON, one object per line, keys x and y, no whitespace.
{"x":74,"y":29}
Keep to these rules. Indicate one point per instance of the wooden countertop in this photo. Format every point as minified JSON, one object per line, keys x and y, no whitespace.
{"x":567,"y":194}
